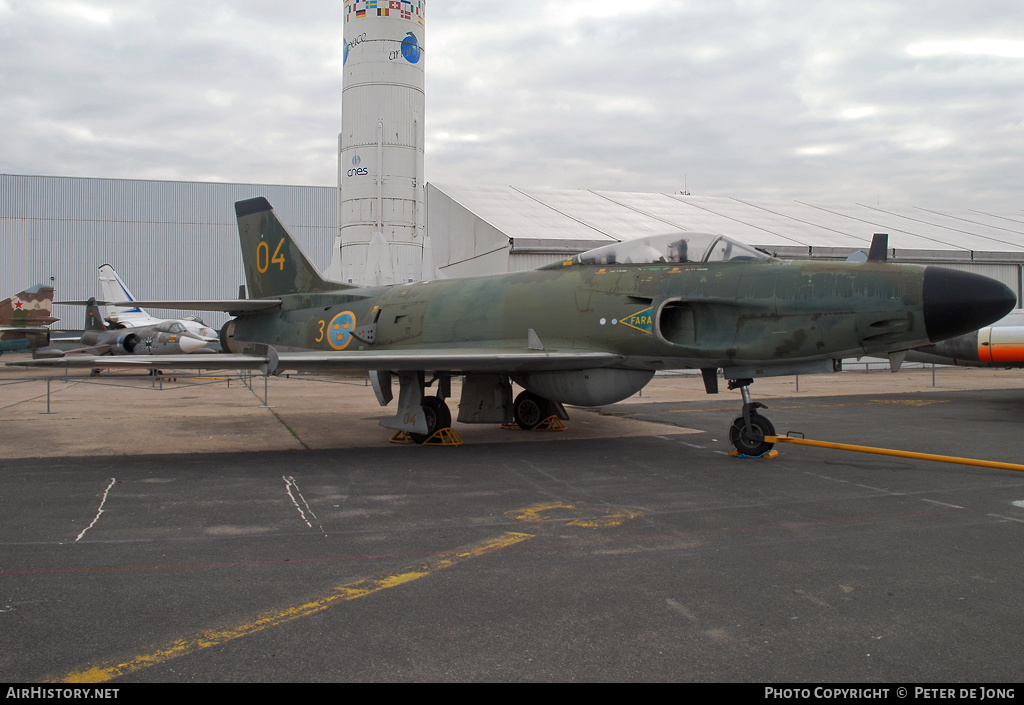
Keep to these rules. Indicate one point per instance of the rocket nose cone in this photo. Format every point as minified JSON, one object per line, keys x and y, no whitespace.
{"x":958,"y":302}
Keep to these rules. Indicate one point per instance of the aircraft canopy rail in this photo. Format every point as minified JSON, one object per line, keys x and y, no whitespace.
{"x":678,"y":247}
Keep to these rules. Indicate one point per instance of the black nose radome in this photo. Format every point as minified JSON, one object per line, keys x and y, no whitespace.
{"x":958,"y":302}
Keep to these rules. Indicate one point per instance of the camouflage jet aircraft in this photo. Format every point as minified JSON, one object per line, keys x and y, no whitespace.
{"x":589,"y":330}
{"x":22,"y":318}
{"x":168,"y":337}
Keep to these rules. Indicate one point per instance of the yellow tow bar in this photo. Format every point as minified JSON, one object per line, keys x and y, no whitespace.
{"x":897,"y":453}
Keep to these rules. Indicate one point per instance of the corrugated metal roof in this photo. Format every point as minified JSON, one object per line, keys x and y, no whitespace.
{"x":561,"y":214}
{"x":521,"y":214}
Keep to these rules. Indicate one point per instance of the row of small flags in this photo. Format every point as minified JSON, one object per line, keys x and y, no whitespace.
{"x":406,"y":9}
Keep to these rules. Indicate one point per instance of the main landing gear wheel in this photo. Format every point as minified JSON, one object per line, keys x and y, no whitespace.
{"x":437,"y":415}
{"x":529,"y":410}
{"x":752,"y":442}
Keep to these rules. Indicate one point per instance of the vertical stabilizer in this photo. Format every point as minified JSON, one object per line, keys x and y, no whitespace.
{"x":32,"y":307}
{"x":93,"y":317}
{"x":113,"y":288}
{"x":274,"y":263}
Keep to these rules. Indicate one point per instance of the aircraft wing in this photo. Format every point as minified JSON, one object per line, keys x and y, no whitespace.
{"x":457,"y":360}
{"x":232,"y":306}
{"x":449,"y":360}
{"x":192,"y":361}
{"x":33,"y":330}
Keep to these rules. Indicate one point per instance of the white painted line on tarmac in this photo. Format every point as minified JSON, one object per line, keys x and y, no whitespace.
{"x":942,"y":504}
{"x":1000,"y":516}
{"x":100,"y":511}
{"x":289,"y":483}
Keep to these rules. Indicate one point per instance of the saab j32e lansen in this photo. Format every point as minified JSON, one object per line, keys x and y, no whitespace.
{"x":590,"y":330}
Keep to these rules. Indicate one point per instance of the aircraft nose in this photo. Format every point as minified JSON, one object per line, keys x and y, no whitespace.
{"x":958,"y":302}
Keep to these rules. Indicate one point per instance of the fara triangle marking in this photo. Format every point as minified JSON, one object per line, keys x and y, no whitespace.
{"x":641,"y":320}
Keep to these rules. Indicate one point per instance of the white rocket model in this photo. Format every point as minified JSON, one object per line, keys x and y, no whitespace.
{"x":380,"y":163}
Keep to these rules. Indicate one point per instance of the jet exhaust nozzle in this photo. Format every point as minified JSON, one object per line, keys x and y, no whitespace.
{"x":958,"y":302}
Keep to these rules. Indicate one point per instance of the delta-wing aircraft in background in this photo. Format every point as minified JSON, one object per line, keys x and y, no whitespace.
{"x":23,"y":317}
{"x":130,"y":329}
{"x":113,"y":288}
{"x":590,"y":330}
{"x":164,"y":338}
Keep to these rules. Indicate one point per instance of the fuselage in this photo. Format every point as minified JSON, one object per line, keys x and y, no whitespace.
{"x":166,"y":338}
{"x":656,"y":316}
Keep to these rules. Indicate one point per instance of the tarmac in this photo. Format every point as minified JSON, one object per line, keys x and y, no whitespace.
{"x":160,"y":530}
{"x":47,"y":413}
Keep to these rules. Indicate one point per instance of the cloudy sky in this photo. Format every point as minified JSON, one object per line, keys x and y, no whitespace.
{"x":873,"y":101}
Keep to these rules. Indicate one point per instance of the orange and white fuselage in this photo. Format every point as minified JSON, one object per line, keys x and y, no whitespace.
{"x":998,"y":345}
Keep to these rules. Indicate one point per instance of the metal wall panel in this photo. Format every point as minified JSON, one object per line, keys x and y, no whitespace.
{"x":166,"y":239}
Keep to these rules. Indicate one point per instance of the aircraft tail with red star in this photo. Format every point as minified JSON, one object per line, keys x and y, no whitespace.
{"x":32,"y":307}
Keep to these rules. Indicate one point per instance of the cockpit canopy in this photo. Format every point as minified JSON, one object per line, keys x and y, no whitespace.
{"x":679,"y":247}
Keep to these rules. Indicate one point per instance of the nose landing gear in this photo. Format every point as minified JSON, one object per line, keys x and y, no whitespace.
{"x":747,"y":433}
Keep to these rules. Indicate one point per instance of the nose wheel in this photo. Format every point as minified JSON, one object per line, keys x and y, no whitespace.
{"x":747,"y":433}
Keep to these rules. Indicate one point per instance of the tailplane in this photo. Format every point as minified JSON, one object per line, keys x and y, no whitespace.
{"x":274,"y":263}
{"x":32,"y":307}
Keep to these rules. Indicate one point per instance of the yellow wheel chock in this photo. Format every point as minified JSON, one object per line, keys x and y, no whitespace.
{"x":769,"y":455}
{"x":440,"y":437}
{"x":551,"y":423}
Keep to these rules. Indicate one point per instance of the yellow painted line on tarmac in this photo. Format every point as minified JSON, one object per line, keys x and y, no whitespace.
{"x":343,"y":593}
{"x":897,"y":453}
{"x":871,"y":402}
{"x":540,"y":512}
{"x":605,"y":517}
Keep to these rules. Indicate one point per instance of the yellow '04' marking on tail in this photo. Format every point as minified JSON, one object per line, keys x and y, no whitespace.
{"x":342,"y":593}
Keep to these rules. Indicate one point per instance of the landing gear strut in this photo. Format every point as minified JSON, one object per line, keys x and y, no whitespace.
{"x":418,"y":415}
{"x":748,"y":432}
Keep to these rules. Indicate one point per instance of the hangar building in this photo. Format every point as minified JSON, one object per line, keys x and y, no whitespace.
{"x":175,"y":240}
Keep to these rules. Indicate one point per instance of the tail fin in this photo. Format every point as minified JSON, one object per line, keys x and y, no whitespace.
{"x":93,"y":317}
{"x":114,"y":289}
{"x":274,"y":263}
{"x":32,"y":307}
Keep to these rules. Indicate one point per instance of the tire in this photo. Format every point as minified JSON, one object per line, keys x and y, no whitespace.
{"x":437,"y":415}
{"x":529,"y":410}
{"x":752,"y":444}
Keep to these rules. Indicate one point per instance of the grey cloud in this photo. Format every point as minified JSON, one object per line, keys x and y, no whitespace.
{"x":756,"y":99}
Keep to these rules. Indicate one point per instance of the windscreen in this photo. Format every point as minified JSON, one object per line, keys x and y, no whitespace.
{"x":681,"y":247}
